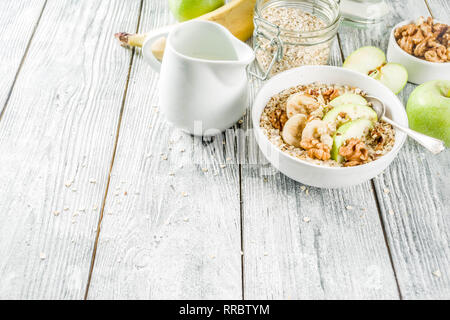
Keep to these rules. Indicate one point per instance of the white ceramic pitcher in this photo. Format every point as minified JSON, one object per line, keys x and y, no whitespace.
{"x":203,"y":82}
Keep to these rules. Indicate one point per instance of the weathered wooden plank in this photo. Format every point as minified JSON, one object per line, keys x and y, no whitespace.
{"x":157,"y":242}
{"x":18,"y":20}
{"x":413,"y":193}
{"x":311,"y":244}
{"x":58,"y":128}
{"x":440,"y":9}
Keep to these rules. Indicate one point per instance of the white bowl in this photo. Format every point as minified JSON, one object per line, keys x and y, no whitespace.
{"x":312,"y":174}
{"x":419,"y":70}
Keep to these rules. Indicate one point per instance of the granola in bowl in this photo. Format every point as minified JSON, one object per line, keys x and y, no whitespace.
{"x":329,"y":125}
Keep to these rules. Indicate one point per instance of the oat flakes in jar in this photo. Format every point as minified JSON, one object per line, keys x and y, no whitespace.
{"x":293,"y":33}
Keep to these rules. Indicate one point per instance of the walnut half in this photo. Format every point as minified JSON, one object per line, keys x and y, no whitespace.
{"x":354,"y":151}
{"x":316,"y":149}
{"x":278,"y":118}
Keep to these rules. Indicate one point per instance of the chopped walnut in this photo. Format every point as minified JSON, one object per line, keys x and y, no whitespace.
{"x":330,"y":94}
{"x":316,"y":149}
{"x":278,"y":118}
{"x":425,"y":40}
{"x":354,"y":151}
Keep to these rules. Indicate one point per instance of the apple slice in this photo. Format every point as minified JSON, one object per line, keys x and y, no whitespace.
{"x":353,"y":111}
{"x":365,"y":59}
{"x":348,"y":98}
{"x":392,"y":75}
{"x":353,"y":129}
{"x":372,"y":61}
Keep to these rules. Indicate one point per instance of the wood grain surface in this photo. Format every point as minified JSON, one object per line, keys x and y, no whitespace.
{"x":176,"y":234}
{"x":57,"y":130}
{"x":18,"y":21}
{"x":413,"y":193}
{"x":83,"y":144}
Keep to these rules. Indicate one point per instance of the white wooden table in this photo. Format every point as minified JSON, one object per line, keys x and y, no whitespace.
{"x":92,"y":181}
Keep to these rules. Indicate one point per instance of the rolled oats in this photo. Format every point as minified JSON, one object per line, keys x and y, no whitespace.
{"x":296,"y":51}
{"x":316,"y":149}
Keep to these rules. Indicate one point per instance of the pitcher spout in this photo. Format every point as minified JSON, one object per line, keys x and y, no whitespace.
{"x":244,"y":52}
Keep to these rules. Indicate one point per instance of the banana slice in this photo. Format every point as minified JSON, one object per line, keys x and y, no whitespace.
{"x":293,"y":128}
{"x":317,"y":129}
{"x":300,"y":103}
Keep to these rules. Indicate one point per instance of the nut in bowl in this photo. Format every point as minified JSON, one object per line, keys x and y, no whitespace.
{"x":320,"y":144}
{"x":422,"y":47}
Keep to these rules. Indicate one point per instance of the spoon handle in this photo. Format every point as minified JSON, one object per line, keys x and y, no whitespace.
{"x":432,"y":144}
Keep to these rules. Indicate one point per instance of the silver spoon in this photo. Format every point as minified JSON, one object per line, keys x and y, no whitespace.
{"x":432,"y":144}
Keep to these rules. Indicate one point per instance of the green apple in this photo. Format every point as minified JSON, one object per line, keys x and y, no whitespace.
{"x":189,"y":9}
{"x":392,"y":75}
{"x":353,"y":111}
{"x":348,"y":98}
{"x":372,"y":62}
{"x":353,"y":129}
{"x":365,"y":59}
{"x":428,"y":109}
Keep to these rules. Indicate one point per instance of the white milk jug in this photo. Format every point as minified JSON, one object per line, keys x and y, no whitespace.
{"x":203,"y":80}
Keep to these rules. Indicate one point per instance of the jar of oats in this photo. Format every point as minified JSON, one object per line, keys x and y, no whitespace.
{"x":293,"y":33}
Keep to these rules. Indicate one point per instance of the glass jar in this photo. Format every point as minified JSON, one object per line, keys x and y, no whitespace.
{"x":292,"y":33}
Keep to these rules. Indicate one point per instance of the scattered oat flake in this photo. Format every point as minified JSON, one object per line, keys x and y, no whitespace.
{"x":222,"y":166}
{"x":186,"y":219}
{"x":92,"y":181}
{"x":437,"y":273}
{"x":184,"y":194}
{"x":307,"y":191}
{"x":386,"y":190}
{"x":164,"y":157}
{"x":74,"y":190}
{"x":205,"y":169}
{"x":171,"y":173}
{"x":68,"y":183}
{"x":66,"y":208}
{"x":266,"y":254}
{"x":56,"y":213}
{"x":391,"y":212}
{"x":349,"y":207}
{"x":307,"y":219}
{"x":42,"y":256}
{"x":303,"y":188}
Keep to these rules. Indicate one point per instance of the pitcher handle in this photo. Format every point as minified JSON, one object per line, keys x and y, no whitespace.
{"x":147,"y":47}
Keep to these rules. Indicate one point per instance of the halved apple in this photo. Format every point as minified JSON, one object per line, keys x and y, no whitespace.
{"x":365,"y":59}
{"x":372,"y":62}
{"x":392,"y":75}
{"x":353,"y":129}
{"x":348,"y":98}
{"x":353,"y":111}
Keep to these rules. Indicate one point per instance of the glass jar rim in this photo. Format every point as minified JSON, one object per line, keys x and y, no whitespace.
{"x":259,"y":7}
